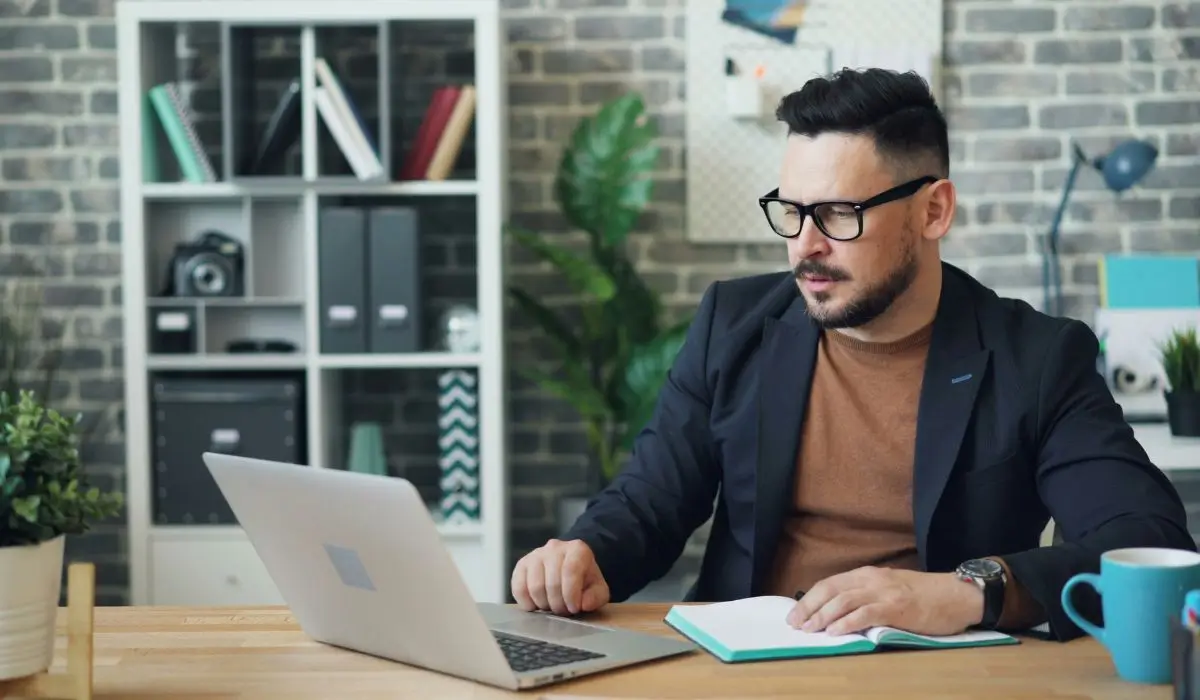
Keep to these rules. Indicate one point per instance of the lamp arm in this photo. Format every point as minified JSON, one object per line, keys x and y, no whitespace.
{"x":1051,"y":272}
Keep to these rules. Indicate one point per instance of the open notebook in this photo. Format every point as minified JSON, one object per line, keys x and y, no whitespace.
{"x":753,"y":629}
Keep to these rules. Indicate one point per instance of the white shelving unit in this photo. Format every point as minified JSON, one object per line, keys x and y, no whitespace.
{"x":277,"y":218}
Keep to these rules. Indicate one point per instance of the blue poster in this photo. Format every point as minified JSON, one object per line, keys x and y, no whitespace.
{"x":776,"y":19}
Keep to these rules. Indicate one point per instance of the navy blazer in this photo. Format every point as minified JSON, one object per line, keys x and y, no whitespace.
{"x":1015,"y":426}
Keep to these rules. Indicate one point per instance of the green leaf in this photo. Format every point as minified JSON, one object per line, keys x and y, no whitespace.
{"x":645,"y":374}
{"x":584,"y":276}
{"x":549,"y":322}
{"x":5,"y":463}
{"x":27,"y":508}
{"x":603,"y":182}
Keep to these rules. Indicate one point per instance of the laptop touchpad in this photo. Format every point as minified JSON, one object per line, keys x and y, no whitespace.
{"x":546,"y":627}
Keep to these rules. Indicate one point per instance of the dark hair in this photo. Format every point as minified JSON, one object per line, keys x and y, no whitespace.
{"x":897,"y":110}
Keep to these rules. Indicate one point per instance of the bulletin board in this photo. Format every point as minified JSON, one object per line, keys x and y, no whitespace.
{"x":734,"y":142}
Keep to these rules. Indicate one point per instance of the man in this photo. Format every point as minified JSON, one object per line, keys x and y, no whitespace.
{"x":882,"y":436}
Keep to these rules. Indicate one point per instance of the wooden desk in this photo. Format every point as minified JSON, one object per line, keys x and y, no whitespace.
{"x":212,"y":653}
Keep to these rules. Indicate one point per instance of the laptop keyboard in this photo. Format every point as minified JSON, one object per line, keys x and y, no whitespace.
{"x":526,"y":654}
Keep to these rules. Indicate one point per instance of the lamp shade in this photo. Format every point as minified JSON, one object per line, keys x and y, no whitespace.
{"x":1127,"y":164}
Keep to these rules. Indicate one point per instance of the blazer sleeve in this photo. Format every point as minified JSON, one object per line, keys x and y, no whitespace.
{"x":1096,"y":481}
{"x":638,"y":525}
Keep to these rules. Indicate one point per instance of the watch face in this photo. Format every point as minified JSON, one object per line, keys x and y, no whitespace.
{"x":984,"y":568}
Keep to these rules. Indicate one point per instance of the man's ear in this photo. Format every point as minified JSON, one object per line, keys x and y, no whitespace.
{"x":941,"y":201}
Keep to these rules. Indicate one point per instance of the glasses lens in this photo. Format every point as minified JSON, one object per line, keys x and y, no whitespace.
{"x":839,"y":221}
{"x":784,"y":218}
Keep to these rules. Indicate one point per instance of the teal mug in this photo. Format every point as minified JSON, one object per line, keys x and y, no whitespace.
{"x":1141,"y":591}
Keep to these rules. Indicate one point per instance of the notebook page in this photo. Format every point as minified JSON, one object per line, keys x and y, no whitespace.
{"x":875,"y":633}
{"x":757,"y":623}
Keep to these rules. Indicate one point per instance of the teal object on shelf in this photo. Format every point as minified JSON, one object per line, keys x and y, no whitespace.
{"x":1151,"y":281}
{"x":366,"y":449}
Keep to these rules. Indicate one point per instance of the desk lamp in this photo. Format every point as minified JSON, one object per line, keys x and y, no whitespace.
{"x":1121,"y":169}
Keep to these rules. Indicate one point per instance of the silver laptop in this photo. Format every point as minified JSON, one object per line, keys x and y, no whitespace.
{"x":360,"y":563}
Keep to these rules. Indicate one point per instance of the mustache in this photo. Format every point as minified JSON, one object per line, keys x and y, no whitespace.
{"x":814,"y":268}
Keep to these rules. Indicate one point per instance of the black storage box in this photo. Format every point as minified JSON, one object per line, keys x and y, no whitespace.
{"x":249,"y":416}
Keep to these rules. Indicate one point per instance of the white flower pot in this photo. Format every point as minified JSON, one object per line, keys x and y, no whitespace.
{"x":30,"y":586}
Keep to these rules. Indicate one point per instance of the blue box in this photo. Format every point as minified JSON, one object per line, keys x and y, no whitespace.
{"x":1150,"y":282}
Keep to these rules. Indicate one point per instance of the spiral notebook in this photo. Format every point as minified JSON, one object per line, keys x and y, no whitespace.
{"x":756,"y":629}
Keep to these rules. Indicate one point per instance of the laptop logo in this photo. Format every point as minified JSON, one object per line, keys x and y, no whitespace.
{"x":349,"y":567}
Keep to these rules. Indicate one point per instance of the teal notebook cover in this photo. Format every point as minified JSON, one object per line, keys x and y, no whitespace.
{"x":756,"y":629}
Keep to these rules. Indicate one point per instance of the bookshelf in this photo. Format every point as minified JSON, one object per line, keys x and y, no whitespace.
{"x":289,"y":273}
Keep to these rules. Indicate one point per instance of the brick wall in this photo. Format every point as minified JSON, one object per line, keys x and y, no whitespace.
{"x":1020,"y":78}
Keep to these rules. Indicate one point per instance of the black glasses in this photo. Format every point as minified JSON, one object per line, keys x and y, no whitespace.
{"x":839,"y":220}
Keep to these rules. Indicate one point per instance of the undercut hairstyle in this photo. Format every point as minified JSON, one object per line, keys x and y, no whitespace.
{"x":897,"y":110}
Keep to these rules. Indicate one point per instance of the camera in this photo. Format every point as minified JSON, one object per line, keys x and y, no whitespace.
{"x":213,"y":265}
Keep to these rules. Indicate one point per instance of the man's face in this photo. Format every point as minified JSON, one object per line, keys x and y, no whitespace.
{"x":847,"y":284}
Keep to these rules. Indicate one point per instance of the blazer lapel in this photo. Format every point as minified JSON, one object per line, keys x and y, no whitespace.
{"x":784,"y":376}
{"x":954,"y":370}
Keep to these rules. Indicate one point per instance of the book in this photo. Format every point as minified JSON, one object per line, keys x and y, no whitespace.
{"x":756,"y":629}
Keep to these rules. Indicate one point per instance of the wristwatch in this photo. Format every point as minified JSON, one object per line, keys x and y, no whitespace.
{"x":989,"y":576}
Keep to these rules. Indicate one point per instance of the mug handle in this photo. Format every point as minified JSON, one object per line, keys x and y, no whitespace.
{"x":1092,"y":580}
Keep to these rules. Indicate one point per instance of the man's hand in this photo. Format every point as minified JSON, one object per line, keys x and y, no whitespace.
{"x":562,"y":577}
{"x":923,"y":603}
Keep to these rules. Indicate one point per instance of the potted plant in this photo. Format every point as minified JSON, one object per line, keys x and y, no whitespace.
{"x":1180,"y":357}
{"x":44,"y":496}
{"x":611,"y":363}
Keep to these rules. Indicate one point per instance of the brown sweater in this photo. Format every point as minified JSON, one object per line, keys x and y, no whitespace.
{"x":853,"y":487}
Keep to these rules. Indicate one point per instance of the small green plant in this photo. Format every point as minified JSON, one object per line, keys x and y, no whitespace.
{"x":43,"y":490}
{"x":1180,"y":357}
{"x":611,"y":363}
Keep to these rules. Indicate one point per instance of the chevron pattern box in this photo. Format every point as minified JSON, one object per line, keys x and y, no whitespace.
{"x":458,"y":442}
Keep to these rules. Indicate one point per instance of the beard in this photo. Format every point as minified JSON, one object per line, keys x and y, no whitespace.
{"x":871,"y":303}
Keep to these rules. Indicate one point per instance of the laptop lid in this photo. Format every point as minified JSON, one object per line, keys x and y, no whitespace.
{"x":361,"y":565}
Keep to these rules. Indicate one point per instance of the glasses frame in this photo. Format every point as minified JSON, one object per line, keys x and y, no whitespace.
{"x":906,"y":189}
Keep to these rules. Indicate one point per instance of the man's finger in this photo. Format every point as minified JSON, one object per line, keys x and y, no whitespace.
{"x":552,"y":567}
{"x":535,"y":581}
{"x":520,"y":587}
{"x":574,"y":567}
{"x":840,"y":605}
{"x":821,"y":593}
{"x":871,"y":615}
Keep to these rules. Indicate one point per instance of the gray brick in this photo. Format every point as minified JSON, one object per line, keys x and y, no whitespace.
{"x":1181,"y":14}
{"x":587,"y":60}
{"x":44,"y":168}
{"x":1167,"y":112}
{"x":984,"y":51}
{"x":1077,"y":51}
{"x":1015,"y":274}
{"x":966,"y":244}
{"x":1185,"y":207}
{"x":1074,"y":116}
{"x":89,"y":69}
{"x":1012,"y":212}
{"x":40,"y":102}
{"x":589,"y":27}
{"x":1181,"y":80}
{"x":24,"y":8}
{"x":654,"y":92}
{"x":993,"y":181}
{"x":96,"y":200}
{"x":587,"y":4}
{"x":90,"y":134}
{"x":33,"y":201}
{"x":73,"y":295}
{"x":55,"y":232}
{"x":102,"y":36}
{"x":1164,"y":240}
{"x":1020,"y":20}
{"x":1164,"y":49}
{"x":1172,"y":177}
{"x":86,"y":8}
{"x":536,"y":29}
{"x":1115,"y":209}
{"x":663,"y":58}
{"x":49,"y":37}
{"x":981,"y":118}
{"x":1009,"y":149}
{"x":1093,"y":82}
{"x":103,"y":102}
{"x":1087,"y":241}
{"x":1092,"y":17}
{"x":26,"y":69}
{"x":1012,"y":84}
{"x":538,"y":93}
{"x":1183,"y":145}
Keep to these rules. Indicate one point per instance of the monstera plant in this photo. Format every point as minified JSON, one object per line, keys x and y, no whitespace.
{"x":611,"y":360}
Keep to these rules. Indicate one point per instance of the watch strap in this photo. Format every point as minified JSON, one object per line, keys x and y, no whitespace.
{"x":993,"y":601}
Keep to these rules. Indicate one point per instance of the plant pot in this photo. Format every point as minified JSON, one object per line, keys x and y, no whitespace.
{"x":569,"y":510}
{"x":1183,"y":413}
{"x":30,"y":586}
